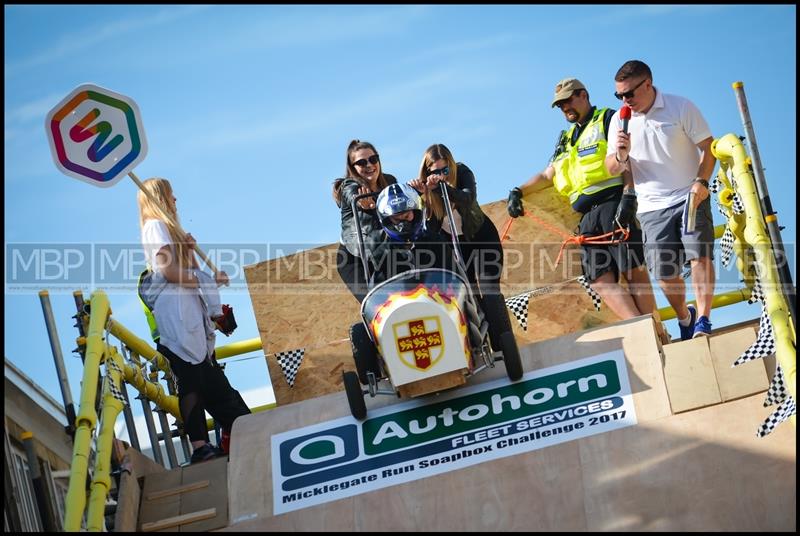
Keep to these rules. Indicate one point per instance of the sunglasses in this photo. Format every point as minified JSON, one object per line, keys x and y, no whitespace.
{"x":363,"y":162}
{"x":629,"y":94}
{"x":443,"y":171}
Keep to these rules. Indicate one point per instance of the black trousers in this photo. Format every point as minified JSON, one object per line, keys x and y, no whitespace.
{"x":204,"y":387}
{"x":483,"y":255}
{"x":352,"y":273}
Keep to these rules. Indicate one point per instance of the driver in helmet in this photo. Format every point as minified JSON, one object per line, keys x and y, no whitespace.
{"x":402,"y":215}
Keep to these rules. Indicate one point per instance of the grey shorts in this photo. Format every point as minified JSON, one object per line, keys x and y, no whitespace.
{"x":666,"y":248}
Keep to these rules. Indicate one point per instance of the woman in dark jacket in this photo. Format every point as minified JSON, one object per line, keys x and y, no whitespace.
{"x":363,"y":174}
{"x":480,"y":241}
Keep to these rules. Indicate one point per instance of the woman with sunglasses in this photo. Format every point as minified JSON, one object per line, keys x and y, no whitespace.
{"x":479,"y":239}
{"x":363,"y":174}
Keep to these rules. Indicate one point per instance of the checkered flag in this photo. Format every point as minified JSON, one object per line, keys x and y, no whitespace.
{"x":592,"y":294}
{"x":738,"y":206}
{"x":715,"y":185}
{"x":765,"y":342}
{"x":777,"y":391}
{"x":519,"y":306}
{"x":757,"y":294}
{"x":784,"y":411}
{"x":290,"y":363}
{"x":112,"y":386}
{"x":726,"y":246}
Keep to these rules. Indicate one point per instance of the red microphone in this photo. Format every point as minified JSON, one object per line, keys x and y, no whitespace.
{"x":625,"y":115}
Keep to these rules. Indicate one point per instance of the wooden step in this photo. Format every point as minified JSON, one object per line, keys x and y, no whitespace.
{"x":192,"y":498}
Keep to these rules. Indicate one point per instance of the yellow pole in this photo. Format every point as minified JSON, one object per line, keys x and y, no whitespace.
{"x":720,"y":300}
{"x":111,"y":408}
{"x":138,"y":345}
{"x":730,"y":149}
{"x":238,"y":348}
{"x":151,"y":390}
{"x":87,"y":416}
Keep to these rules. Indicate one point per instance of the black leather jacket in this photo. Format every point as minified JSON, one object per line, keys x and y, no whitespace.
{"x":371,"y":230}
{"x":465,"y":198}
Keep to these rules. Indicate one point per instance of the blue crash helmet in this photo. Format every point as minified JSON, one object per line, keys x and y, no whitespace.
{"x":393,"y":200}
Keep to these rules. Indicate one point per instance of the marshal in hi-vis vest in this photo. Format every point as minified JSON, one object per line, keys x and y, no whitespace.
{"x":580,"y":169}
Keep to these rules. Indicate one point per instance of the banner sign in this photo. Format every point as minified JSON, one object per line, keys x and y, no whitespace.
{"x":463,"y":427}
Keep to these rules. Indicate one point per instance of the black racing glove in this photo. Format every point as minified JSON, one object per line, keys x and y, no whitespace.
{"x":626,"y":210}
{"x":515,"y":209}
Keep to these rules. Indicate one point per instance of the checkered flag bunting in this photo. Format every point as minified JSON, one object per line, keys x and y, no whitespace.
{"x":737,"y":206}
{"x":726,"y":246}
{"x":784,"y":411}
{"x":112,"y":387}
{"x":290,"y":363}
{"x":714,"y":187}
{"x":757,"y":294}
{"x":777,"y":391}
{"x":519,"y":306}
{"x":765,"y":342}
{"x":592,"y":294}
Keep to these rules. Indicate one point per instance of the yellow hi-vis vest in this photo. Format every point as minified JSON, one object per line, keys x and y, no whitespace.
{"x":581,"y":168}
{"x":148,"y":312}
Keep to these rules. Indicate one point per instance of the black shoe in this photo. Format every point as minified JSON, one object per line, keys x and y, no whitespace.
{"x":205,"y":453}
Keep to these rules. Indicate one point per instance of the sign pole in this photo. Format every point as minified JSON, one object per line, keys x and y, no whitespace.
{"x":175,"y":224}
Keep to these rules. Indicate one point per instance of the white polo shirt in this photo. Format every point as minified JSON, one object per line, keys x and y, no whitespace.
{"x":664,"y":156}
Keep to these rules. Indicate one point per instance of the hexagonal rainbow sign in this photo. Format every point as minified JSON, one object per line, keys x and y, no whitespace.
{"x":96,"y":135}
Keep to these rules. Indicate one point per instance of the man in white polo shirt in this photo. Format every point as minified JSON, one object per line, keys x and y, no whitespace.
{"x":668,"y":150}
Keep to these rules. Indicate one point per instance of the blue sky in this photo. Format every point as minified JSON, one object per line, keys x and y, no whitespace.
{"x":248,"y":111}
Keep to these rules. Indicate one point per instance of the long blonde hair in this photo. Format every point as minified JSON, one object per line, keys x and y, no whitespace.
{"x":161,"y":191}
{"x":434,"y":201}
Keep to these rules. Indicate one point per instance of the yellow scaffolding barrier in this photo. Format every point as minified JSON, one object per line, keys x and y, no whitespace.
{"x":755,"y":256}
{"x":118,"y":371}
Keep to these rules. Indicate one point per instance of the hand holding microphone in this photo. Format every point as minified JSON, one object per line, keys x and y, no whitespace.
{"x":623,"y":141}
{"x":625,"y":115}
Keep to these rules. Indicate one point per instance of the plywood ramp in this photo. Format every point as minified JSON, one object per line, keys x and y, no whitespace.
{"x":186,"y":499}
{"x":700,"y":470}
{"x":299,"y":300}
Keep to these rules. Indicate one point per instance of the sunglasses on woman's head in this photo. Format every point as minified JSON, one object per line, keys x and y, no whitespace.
{"x":363,"y":162}
{"x":441,"y":171}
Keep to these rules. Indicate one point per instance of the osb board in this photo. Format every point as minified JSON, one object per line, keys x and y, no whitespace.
{"x":300,"y":301}
{"x":191,"y":500}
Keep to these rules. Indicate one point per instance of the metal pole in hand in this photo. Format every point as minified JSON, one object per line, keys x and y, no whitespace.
{"x":199,"y":251}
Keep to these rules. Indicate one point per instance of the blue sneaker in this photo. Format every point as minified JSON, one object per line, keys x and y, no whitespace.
{"x":702,"y":328}
{"x":687,"y":332}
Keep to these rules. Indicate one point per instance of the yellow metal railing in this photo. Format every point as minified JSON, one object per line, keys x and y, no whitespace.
{"x":755,"y":256}
{"x":118,"y":371}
